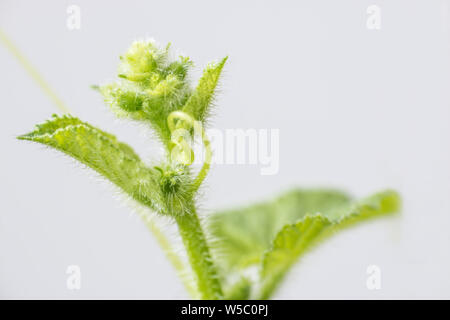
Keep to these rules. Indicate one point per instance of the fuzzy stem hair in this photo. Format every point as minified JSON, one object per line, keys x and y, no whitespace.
{"x":207,"y":278}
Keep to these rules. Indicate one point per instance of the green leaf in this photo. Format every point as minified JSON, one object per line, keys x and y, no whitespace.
{"x":271,"y":236}
{"x":198,"y":104}
{"x":102,"y":152}
{"x":245,"y":234}
{"x":295,"y":239}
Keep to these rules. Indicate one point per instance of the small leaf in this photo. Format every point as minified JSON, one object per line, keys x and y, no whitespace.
{"x":102,"y":152}
{"x":198,"y":104}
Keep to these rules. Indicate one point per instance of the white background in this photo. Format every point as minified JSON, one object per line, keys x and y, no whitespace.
{"x":357,"y":109}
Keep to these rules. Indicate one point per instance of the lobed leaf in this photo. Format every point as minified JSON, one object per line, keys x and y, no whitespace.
{"x":272,"y":236}
{"x":295,"y":239}
{"x":245,"y":234}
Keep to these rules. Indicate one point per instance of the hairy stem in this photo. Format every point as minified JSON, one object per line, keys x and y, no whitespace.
{"x":197,"y":249}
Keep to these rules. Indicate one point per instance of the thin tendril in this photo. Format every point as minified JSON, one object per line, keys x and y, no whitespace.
{"x":189,"y":120}
{"x":33,"y":72}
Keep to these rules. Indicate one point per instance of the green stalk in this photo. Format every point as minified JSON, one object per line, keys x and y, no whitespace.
{"x":189,"y":226}
{"x":199,"y":256}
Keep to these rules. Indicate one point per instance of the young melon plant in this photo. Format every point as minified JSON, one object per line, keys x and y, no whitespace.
{"x":237,"y":254}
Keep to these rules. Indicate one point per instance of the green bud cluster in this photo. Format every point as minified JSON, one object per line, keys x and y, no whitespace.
{"x":150,"y":87}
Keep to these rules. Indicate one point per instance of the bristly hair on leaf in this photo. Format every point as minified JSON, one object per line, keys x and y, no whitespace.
{"x":200,"y":101}
{"x":166,"y":191}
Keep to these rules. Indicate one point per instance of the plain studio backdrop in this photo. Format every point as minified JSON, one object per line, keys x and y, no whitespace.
{"x":358,"y":108}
